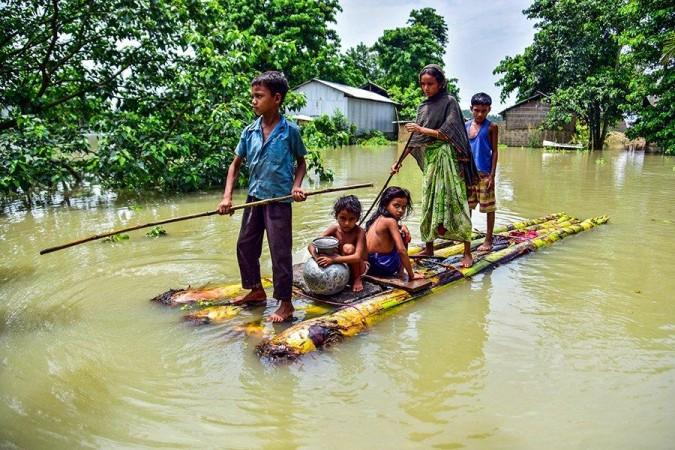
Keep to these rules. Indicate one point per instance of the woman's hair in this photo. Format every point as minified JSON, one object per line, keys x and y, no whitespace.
{"x":436,"y":72}
{"x":348,"y":203}
{"x":388,"y":196}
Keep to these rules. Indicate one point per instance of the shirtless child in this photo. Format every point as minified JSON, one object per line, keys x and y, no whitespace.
{"x":351,"y":237}
{"x":387,"y":243}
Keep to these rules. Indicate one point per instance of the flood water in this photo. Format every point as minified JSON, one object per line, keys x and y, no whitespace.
{"x":571,"y":347}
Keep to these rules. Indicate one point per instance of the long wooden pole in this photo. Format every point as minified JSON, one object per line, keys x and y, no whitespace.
{"x":391,"y":175}
{"x":204,"y":214}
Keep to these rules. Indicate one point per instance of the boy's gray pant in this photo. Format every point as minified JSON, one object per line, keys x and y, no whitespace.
{"x":275,"y":219}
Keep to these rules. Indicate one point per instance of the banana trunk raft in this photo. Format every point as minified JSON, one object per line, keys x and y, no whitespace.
{"x":212,"y":303}
{"x":323,"y":324}
{"x":320,"y":332}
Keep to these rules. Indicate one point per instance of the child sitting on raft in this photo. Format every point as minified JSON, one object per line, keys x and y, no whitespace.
{"x":351,"y":238}
{"x":387,"y":242}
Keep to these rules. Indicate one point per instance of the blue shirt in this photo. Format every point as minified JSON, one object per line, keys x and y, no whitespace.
{"x":481,"y":147}
{"x":271,"y":163}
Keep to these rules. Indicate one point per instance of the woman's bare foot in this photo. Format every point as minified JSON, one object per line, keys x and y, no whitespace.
{"x":255,"y":296}
{"x":441,"y":230}
{"x":428,"y":250}
{"x":486,"y":246}
{"x":358,"y":285}
{"x":467,"y":260}
{"x":283,"y":313}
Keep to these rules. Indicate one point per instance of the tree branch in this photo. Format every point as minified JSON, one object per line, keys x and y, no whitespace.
{"x":55,"y":35}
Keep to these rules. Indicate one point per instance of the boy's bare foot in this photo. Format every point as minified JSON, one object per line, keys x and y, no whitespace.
{"x":283,"y":313}
{"x":358,"y":285}
{"x":256,"y":296}
{"x":467,"y":260}
{"x":485,"y":246}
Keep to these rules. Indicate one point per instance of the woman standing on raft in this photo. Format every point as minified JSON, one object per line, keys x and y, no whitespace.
{"x":441,"y":147}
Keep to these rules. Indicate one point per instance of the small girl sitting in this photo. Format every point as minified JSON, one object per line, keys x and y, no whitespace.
{"x":386,"y":241}
{"x":352,"y":239}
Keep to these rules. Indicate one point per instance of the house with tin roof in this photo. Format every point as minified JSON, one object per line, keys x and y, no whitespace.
{"x":367,"y":109}
{"x":524,"y":124}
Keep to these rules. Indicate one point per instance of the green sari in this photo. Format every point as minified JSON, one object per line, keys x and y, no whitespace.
{"x":444,"y":196}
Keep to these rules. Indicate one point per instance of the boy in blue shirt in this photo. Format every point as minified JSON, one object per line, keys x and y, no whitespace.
{"x":483,"y":137}
{"x":273,"y":151}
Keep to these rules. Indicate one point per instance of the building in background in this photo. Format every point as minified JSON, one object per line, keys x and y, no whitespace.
{"x":368,"y":110}
{"x":522,"y":126}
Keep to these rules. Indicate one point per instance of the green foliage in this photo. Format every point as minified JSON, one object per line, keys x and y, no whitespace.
{"x":575,"y":57}
{"x":116,"y":238}
{"x":360,"y":66}
{"x":329,"y":132}
{"x":316,"y":165}
{"x":409,"y":97}
{"x":164,"y":86}
{"x":649,"y":48}
{"x":402,"y":52}
{"x":156,"y":232}
{"x":373,"y":139}
{"x":429,"y":18}
{"x":600,"y":61}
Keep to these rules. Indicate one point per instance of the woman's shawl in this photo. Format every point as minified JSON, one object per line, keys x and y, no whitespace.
{"x":442,"y":112}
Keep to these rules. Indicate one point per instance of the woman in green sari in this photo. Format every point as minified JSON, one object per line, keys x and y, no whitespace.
{"x":441,"y":147}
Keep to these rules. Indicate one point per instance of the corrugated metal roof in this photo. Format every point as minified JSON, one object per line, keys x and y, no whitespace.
{"x":352,"y":91}
{"x":534,"y":97}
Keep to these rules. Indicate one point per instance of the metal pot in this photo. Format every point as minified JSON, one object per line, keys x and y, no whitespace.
{"x":327,"y":245}
{"x":325,"y":280}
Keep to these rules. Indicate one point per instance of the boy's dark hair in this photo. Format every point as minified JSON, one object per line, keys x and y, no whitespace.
{"x":481,"y":99}
{"x":274,"y":81}
{"x":388,"y":195}
{"x":348,"y":203}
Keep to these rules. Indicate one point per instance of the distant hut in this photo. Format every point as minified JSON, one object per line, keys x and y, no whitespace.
{"x":367,"y":109}
{"x":522,"y":124}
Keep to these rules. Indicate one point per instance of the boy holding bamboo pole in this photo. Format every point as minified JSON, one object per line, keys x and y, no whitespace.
{"x":273,"y":150}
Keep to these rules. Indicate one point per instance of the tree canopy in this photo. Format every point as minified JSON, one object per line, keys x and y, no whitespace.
{"x":164,"y":85}
{"x":598,"y":60}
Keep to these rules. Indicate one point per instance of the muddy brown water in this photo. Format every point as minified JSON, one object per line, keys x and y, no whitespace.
{"x":571,"y":347}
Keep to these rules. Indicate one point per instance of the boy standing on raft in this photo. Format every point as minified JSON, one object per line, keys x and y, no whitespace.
{"x":483,"y":138}
{"x":274,"y":153}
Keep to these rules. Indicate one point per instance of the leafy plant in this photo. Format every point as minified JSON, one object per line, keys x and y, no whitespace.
{"x":156,"y":232}
{"x":116,"y":238}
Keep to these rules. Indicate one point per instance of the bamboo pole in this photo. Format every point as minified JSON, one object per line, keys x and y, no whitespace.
{"x":391,"y":175}
{"x":204,"y":214}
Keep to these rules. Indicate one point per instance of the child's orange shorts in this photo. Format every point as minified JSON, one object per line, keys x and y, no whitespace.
{"x":480,"y":194}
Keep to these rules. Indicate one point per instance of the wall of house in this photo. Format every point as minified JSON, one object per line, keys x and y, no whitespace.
{"x":321,"y":99}
{"x":531,"y":137}
{"x":521,"y":126}
{"x":369,"y":115}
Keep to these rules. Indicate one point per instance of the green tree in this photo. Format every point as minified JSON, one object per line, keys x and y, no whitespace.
{"x":575,"y":58}
{"x":649,"y":49}
{"x":360,"y":65}
{"x":402,"y":52}
{"x":428,"y":17}
{"x":164,"y":85}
